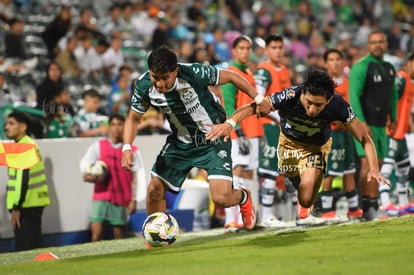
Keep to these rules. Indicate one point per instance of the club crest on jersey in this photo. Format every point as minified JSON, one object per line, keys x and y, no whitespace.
{"x":187,"y":94}
{"x":222,"y":154}
{"x":290,"y":94}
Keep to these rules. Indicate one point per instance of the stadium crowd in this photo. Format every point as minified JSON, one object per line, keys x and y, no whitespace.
{"x":71,"y":64}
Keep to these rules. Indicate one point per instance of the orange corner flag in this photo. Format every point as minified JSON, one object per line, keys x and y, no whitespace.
{"x":45,"y":257}
{"x":18,"y":155}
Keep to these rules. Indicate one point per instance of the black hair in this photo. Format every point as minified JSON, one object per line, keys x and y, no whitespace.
{"x":332,"y":50}
{"x":273,"y":37}
{"x":319,"y":83}
{"x":162,"y":60}
{"x":237,"y":41}
{"x":116,"y":116}
{"x":90,"y":93}
{"x":21,"y":118}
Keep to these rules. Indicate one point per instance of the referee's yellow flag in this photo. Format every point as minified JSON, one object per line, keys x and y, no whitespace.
{"x":18,"y":155}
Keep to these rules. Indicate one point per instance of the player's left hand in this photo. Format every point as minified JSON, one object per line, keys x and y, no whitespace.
{"x":380,"y":179}
{"x":219,"y":130}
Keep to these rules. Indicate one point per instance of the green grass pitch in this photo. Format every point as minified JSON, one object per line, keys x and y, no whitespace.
{"x":382,"y":247}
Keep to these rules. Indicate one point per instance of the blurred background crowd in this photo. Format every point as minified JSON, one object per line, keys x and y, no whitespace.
{"x":54,"y":52}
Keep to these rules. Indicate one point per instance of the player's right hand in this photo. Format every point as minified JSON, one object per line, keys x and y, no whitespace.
{"x":264,"y":108}
{"x":127,"y":160}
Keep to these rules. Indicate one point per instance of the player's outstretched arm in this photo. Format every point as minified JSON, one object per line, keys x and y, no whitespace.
{"x":224,"y":129}
{"x":130,"y":132}
{"x":359,"y":132}
{"x":242,"y":84}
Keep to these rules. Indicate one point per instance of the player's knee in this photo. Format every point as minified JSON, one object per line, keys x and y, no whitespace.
{"x":220,"y":200}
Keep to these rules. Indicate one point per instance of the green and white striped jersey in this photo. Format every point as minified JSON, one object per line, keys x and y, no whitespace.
{"x":189,"y":106}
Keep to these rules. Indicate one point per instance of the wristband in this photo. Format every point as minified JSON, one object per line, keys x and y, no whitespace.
{"x":258,"y":99}
{"x":231,"y":122}
{"x":126,"y":147}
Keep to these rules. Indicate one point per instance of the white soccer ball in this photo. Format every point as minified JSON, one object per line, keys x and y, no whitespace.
{"x":160,"y":229}
{"x":98,"y":168}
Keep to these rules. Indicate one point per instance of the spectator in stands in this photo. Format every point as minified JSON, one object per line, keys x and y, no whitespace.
{"x":195,"y":15}
{"x":101,"y":46}
{"x":306,"y":21}
{"x":114,"y":195}
{"x":161,"y":36}
{"x":88,"y":23}
{"x":60,"y":123}
{"x":407,"y":40}
{"x":177,"y":30}
{"x":124,"y":69}
{"x":185,"y":49}
{"x":17,"y":68}
{"x":67,"y":60}
{"x":394,"y":37}
{"x":298,"y":48}
{"x":7,"y":10}
{"x":14,"y":43}
{"x":48,"y":88}
{"x":57,"y":29}
{"x":88,"y":121}
{"x":87,"y":57}
{"x":201,"y":56}
{"x":113,"y":58}
{"x":232,"y":12}
{"x":126,"y":22}
{"x":110,"y":23}
{"x":119,"y":100}
{"x":217,"y":45}
{"x":5,"y":95}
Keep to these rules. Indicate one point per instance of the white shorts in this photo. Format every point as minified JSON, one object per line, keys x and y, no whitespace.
{"x":249,"y":161}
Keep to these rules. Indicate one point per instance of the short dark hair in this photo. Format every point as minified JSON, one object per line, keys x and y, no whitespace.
{"x":90,"y":93}
{"x":116,"y":116}
{"x":273,"y":37}
{"x":237,"y":41}
{"x":20,"y":117}
{"x":319,"y":83}
{"x":162,"y":60}
{"x":329,"y":51}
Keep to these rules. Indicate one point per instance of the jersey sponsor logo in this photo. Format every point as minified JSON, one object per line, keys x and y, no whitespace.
{"x":193,"y":108}
{"x":281,"y":96}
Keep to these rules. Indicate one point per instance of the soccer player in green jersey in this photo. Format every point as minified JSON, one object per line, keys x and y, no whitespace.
{"x":181,"y":92}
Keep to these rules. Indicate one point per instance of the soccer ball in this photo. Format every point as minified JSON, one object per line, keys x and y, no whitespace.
{"x":98,"y":168}
{"x":160,"y":229}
